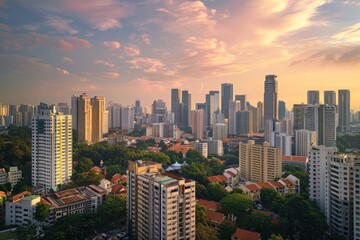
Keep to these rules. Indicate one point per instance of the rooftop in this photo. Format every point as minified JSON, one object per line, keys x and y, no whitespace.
{"x":301,"y":159}
{"x":217,"y":178}
{"x":209,"y":205}
{"x":246,"y":234}
{"x":214,"y":217}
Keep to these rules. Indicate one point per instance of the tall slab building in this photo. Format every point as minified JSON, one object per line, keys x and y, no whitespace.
{"x":344,"y":111}
{"x":270,"y":98}
{"x":51,"y":149}
{"x":227,"y":95}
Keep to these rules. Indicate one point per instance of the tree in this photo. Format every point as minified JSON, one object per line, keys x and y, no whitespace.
{"x":41,"y":212}
{"x":226,"y":230}
{"x":200,"y":215}
{"x":204,"y":232}
{"x":236,"y":204}
{"x":267,"y":196}
{"x":84,"y":165}
{"x":112,"y":211}
{"x":26,"y":232}
{"x":216,"y":192}
{"x":301,"y":220}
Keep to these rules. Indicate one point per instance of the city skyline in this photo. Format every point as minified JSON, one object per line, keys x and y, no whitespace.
{"x":141,"y":49}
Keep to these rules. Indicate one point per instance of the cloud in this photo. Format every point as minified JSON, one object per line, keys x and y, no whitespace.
{"x":352,"y":2}
{"x":132,"y":50}
{"x":102,"y":62}
{"x":60,"y":24}
{"x":4,"y":27}
{"x":63,"y":71}
{"x":150,"y":65}
{"x":112,"y":44}
{"x":146,"y":38}
{"x":349,"y":34}
{"x":68,"y":60}
{"x":112,"y":75}
{"x":71,"y":43}
{"x":100,"y":14}
{"x":344,"y":54}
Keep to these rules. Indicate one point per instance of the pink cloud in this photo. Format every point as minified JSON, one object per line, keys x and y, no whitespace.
{"x":63,"y":71}
{"x":68,"y":60}
{"x":64,"y":45}
{"x":4,"y":27}
{"x":132,"y":50}
{"x":60,"y":24}
{"x":150,"y":65}
{"x":112,"y":75}
{"x":146,"y":38}
{"x":70,"y":43}
{"x":102,"y":62}
{"x":112,"y":44}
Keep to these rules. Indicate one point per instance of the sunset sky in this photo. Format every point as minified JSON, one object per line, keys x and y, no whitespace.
{"x":127,"y":50}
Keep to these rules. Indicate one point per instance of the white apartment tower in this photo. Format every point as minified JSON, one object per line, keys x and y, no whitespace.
{"x":160,"y":205}
{"x":51,"y":149}
{"x":304,"y":139}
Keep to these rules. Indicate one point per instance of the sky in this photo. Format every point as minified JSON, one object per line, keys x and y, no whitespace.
{"x":131,"y":49}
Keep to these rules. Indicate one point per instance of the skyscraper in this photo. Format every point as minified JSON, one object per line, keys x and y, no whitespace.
{"x":84,"y":118}
{"x":51,"y":149}
{"x":127,"y":118}
{"x":98,"y":118}
{"x":304,"y":140}
{"x":313,"y":97}
{"x":186,"y":108}
{"x":270,"y":98}
{"x":344,"y":111}
{"x":213,"y":105}
{"x":282,"y":109}
{"x":234,"y":107}
{"x":299,"y":116}
{"x":330,"y":97}
{"x":160,"y":205}
{"x":260,"y":113}
{"x":175,"y":104}
{"x":197,"y":123}
{"x":242,"y":99}
{"x":226,"y":97}
{"x":259,"y":163}
{"x":74,"y":111}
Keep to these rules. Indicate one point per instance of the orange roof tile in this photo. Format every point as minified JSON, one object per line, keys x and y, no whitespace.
{"x":231,"y":173}
{"x":96,"y":169}
{"x":115,"y":178}
{"x":2,"y":194}
{"x":214,"y":217}
{"x":181,"y":148}
{"x":246,"y":234}
{"x":265,"y":185}
{"x":118,"y":189}
{"x":20,"y":195}
{"x":287,"y":182}
{"x":218,"y":178}
{"x":209,"y":205}
{"x":252,"y":187}
{"x":295,"y":158}
{"x":276,"y":184}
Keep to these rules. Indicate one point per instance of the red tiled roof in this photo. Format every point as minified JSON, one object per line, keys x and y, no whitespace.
{"x":252,"y":187}
{"x":231,"y":173}
{"x":214,"y":217}
{"x":115,"y":178}
{"x":209,"y":205}
{"x":218,"y":178}
{"x":20,"y":195}
{"x":245,"y":234}
{"x":265,"y":185}
{"x":118,"y":189}
{"x":287,"y":182}
{"x":294,"y":158}
{"x":2,"y":194}
{"x":276,"y":184}
{"x":181,"y":148}
{"x":96,"y":169}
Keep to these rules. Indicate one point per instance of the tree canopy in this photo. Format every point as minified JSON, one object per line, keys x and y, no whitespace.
{"x":236,"y":204}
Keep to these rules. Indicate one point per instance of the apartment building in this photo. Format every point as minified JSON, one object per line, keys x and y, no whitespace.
{"x":160,"y":205}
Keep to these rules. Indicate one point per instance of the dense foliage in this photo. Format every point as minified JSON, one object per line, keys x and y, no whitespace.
{"x":348,"y":142}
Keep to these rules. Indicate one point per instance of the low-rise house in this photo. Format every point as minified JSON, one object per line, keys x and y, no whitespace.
{"x":214,"y":219}
{"x":221,"y":179}
{"x":242,"y":234}
{"x":299,"y":161}
{"x":118,"y":189}
{"x":14,"y":175}
{"x":20,"y":209}
{"x":232,"y":175}
{"x":208,"y":205}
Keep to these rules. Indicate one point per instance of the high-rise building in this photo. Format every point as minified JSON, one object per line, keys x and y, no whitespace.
{"x":259,"y":163}
{"x":243,"y":101}
{"x":74,"y":111}
{"x":304,"y":140}
{"x":299,"y":116}
{"x":51,"y":149}
{"x":176,"y":104}
{"x":270,"y":98}
{"x":98,"y":118}
{"x":282,"y":109}
{"x":322,"y":120}
{"x":127,"y":118}
{"x":197,"y":123}
{"x":215,"y":146}
{"x":81,"y":109}
{"x":159,"y":112}
{"x":186,"y":108}
{"x":313,"y":97}
{"x":330,"y":97}
{"x":220,"y":131}
{"x":244,"y":122}
{"x":227,"y":95}
{"x":213,"y":105}
{"x":64,"y":108}
{"x":260,"y":110}
{"x":114,"y":118}
{"x":344,"y":111}
{"x":202,"y":147}
{"x":160,"y":205}
{"x":234,"y":107}
{"x":334,"y":186}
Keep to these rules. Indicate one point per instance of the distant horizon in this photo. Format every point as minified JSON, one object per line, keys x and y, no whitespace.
{"x":128,"y":50}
